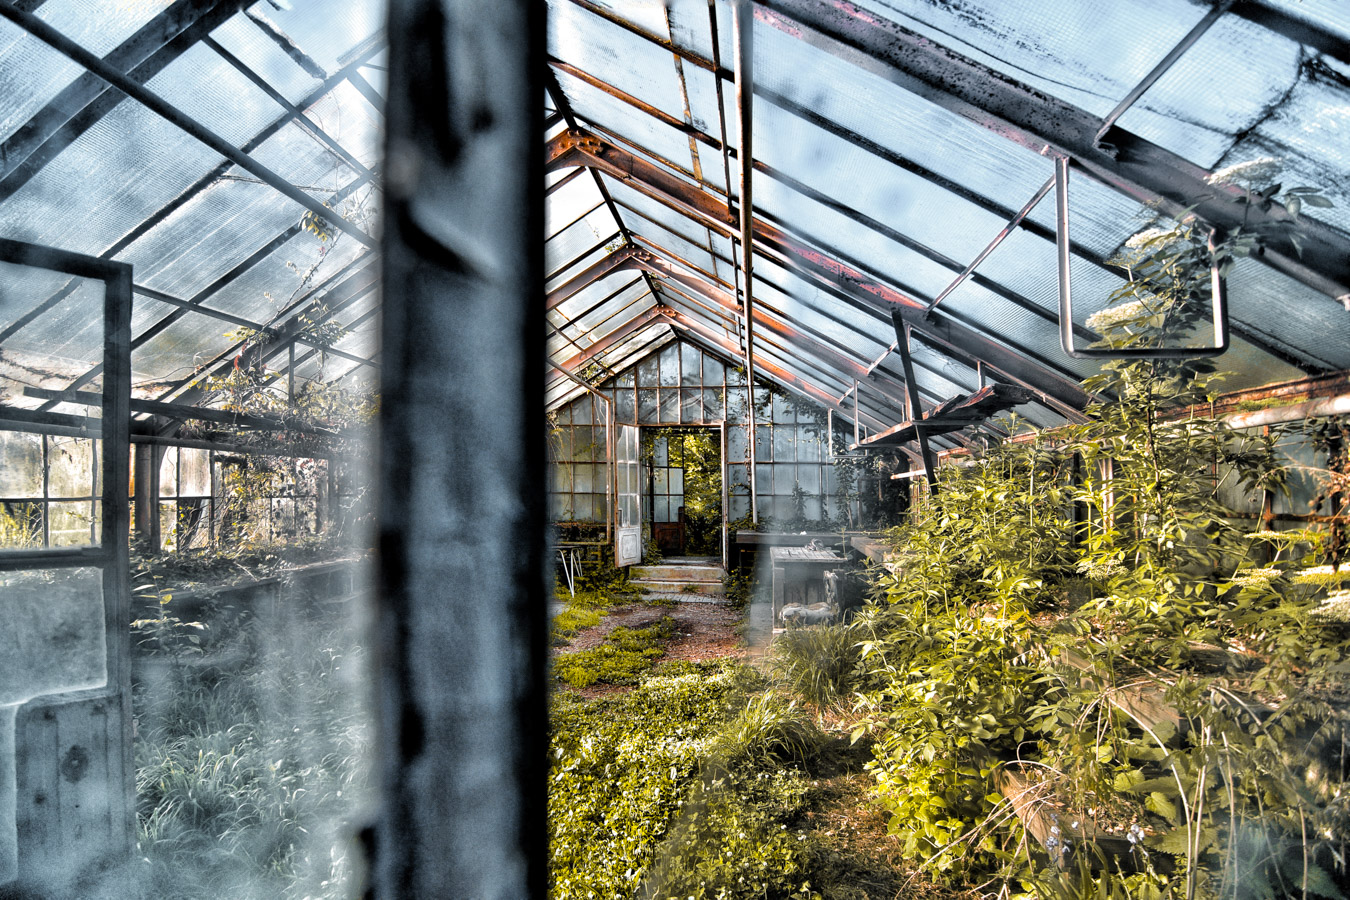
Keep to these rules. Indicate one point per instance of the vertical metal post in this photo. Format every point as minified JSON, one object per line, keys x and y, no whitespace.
{"x":857,"y":438}
{"x":462,"y":615}
{"x":743,"y":22}
{"x":116,"y":527}
{"x":915,"y":406}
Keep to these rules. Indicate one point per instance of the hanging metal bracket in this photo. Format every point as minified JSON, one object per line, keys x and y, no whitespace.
{"x":1218,"y":288}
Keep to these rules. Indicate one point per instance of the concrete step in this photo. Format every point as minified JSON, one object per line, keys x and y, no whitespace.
{"x":667,"y":572}
{"x":674,"y":586}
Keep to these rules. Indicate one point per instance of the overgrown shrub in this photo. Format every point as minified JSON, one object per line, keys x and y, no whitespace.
{"x":817,"y":664}
{"x":251,"y":759}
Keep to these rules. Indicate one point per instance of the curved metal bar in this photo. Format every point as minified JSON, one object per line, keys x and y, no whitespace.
{"x":1218,"y":292}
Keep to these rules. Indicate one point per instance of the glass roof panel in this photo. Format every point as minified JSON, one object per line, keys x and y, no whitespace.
{"x":858,"y":179}
{"x":690,"y":28}
{"x":295,"y":155}
{"x":1312,"y":325}
{"x":667,"y":242}
{"x":31,"y":74}
{"x":99,"y":25}
{"x":276,"y":282}
{"x":1065,"y":48}
{"x":608,"y":52}
{"x":242,"y":37}
{"x":208,"y":236}
{"x":55,"y":346}
{"x":66,"y":339}
{"x":345,"y":115}
{"x":327,"y":30}
{"x":595,"y":298}
{"x":215,"y":94}
{"x":593,"y":105}
{"x":562,"y":269}
{"x":579,"y":237}
{"x":1308,"y":131}
{"x":652,"y":210}
{"x":879,"y":111}
{"x":613,"y":315}
{"x":97,"y":189}
{"x":1231,"y":80}
{"x":569,"y":203}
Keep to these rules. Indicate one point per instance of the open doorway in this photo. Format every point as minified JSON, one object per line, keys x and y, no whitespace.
{"x":684,"y":489}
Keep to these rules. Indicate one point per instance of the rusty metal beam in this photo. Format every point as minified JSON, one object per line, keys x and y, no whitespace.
{"x":1125,"y":162}
{"x":1251,"y":335}
{"x":580,"y":148}
{"x":763,"y":317}
{"x":613,"y":339}
{"x":614,"y":262}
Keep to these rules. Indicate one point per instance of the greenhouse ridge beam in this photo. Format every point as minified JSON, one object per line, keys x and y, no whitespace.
{"x":1136,"y":167}
{"x":579,"y":148}
{"x":55,"y":39}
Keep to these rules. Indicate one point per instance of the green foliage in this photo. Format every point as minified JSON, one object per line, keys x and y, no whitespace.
{"x":817,"y":664}
{"x":625,"y":655}
{"x":769,"y":731}
{"x":1047,"y":582}
{"x":639,"y":809}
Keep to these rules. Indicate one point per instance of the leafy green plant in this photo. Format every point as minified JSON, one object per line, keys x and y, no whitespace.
{"x":1052,"y":612}
{"x":640,"y":808}
{"x":624,"y":656}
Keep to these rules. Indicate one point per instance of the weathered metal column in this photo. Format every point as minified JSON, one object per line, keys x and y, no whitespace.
{"x":461,"y":613}
{"x":743,"y":22}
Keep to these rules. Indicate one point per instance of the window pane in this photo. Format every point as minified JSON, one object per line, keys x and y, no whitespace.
{"x":670,"y":366}
{"x":168,"y":473}
{"x":72,"y":467}
{"x":647,"y":407}
{"x":713,"y":371}
{"x":712,"y":404}
{"x":195,"y":470}
{"x":53,"y":640}
{"x":670,"y":407}
{"x":20,"y":464}
{"x":647,"y":373}
{"x":71,"y":524}
{"x":690,"y":365}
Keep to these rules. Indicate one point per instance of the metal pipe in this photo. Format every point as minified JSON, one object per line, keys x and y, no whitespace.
{"x":998,"y":239}
{"x":147,"y":98}
{"x":1278,"y":415}
{"x":743,"y":26}
{"x":1015,"y":221}
{"x":1167,"y":62}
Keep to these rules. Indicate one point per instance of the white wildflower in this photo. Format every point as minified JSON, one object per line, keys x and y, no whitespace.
{"x":1252,"y":172}
{"x":1255,"y":577}
{"x":1152,"y":239}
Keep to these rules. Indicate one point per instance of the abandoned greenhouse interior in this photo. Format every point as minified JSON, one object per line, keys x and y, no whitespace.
{"x":812,"y":449}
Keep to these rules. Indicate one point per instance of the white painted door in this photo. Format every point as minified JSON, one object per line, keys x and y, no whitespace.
{"x":627,"y":519}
